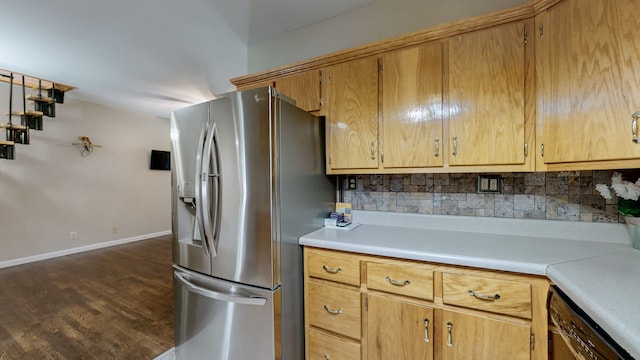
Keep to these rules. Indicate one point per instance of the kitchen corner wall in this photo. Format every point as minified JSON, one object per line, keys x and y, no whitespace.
{"x":568,"y":196}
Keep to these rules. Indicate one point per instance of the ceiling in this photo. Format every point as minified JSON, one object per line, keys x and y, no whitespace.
{"x":150,"y":56}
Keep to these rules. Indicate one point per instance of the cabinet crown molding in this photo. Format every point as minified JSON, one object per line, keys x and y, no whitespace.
{"x":517,"y":13}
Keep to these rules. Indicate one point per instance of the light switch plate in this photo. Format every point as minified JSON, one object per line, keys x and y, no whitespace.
{"x":489,"y":184}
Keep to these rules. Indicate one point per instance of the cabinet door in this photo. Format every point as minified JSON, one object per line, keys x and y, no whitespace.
{"x":466,"y":336}
{"x":486,"y":96}
{"x":411,"y":132}
{"x":588,"y":80}
{"x":352,"y":115}
{"x":304,"y":88}
{"x":398,"y":330}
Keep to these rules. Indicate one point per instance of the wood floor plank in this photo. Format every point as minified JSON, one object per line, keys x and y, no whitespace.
{"x":112,"y":303}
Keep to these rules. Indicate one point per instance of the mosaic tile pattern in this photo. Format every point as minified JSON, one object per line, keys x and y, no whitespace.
{"x":566,"y":195}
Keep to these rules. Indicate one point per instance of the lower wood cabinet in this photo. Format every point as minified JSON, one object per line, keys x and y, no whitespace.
{"x":406,"y":310}
{"x":468,"y":336}
{"x":398,"y":329}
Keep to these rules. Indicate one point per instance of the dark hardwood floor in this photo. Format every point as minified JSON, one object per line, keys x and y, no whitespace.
{"x":112,"y":303}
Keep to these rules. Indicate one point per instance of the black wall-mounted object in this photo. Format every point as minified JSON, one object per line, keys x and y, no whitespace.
{"x":160,"y":160}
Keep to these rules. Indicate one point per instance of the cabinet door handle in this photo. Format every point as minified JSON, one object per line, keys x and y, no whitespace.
{"x":426,"y":330}
{"x":397,"y":282}
{"x":373,"y":150}
{"x":332,"y":311}
{"x":634,"y":126}
{"x":449,"y":335}
{"x":494,"y":297}
{"x":437,"y":139}
{"x":330,"y":270}
{"x":326,"y":357}
{"x":455,"y":145}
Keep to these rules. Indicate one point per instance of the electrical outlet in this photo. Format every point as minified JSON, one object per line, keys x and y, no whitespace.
{"x":489,"y":183}
{"x":494,"y":185}
{"x":114,"y":230}
{"x":73,"y":235}
{"x":351,"y":182}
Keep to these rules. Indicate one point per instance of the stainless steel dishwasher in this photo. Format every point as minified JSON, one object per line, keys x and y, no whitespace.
{"x":585,"y":338}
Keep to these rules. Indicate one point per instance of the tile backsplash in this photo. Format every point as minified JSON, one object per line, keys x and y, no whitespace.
{"x":566,"y":195}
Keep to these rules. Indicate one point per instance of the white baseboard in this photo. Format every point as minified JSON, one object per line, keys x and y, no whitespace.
{"x":34,"y":258}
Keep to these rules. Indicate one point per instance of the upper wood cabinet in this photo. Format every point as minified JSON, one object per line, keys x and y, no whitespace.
{"x":304,"y":88}
{"x":588,"y":84}
{"x":411,"y":124}
{"x":487,"y":96}
{"x":351,"y":93}
{"x":410,"y":131}
{"x":486,"y":102}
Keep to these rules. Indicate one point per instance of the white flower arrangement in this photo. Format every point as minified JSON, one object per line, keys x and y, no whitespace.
{"x":627,"y":192}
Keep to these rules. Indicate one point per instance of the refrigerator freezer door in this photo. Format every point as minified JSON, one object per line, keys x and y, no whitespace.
{"x":187,"y":139}
{"x":221,"y":320}
{"x":246,"y":244}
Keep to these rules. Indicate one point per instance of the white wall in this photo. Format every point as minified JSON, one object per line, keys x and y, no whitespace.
{"x":380,"y":20}
{"x":49,"y":190}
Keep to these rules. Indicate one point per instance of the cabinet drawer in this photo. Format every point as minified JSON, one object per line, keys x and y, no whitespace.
{"x":334,"y":309}
{"x":335,"y":267}
{"x":401,"y":278}
{"x":323,"y":347}
{"x":499,"y":296}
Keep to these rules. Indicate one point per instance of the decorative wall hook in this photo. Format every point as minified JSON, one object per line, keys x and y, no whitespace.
{"x":86,"y":145}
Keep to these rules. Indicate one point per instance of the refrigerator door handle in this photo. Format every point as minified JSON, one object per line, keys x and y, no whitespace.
{"x":244,"y":300}
{"x":198,"y":186}
{"x":208,"y":221}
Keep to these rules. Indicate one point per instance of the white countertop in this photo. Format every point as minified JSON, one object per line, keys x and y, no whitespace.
{"x":524,"y":246}
{"x":592,"y":263}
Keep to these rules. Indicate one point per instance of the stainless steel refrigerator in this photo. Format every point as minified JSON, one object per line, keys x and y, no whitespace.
{"x":248,"y":180}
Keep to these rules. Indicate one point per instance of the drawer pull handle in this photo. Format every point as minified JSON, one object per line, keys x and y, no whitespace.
{"x":332,"y":311}
{"x":330,"y":270}
{"x":483,"y":296}
{"x":326,"y":357}
{"x":426,"y":330}
{"x":449,"y":335}
{"x":398,"y":282}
